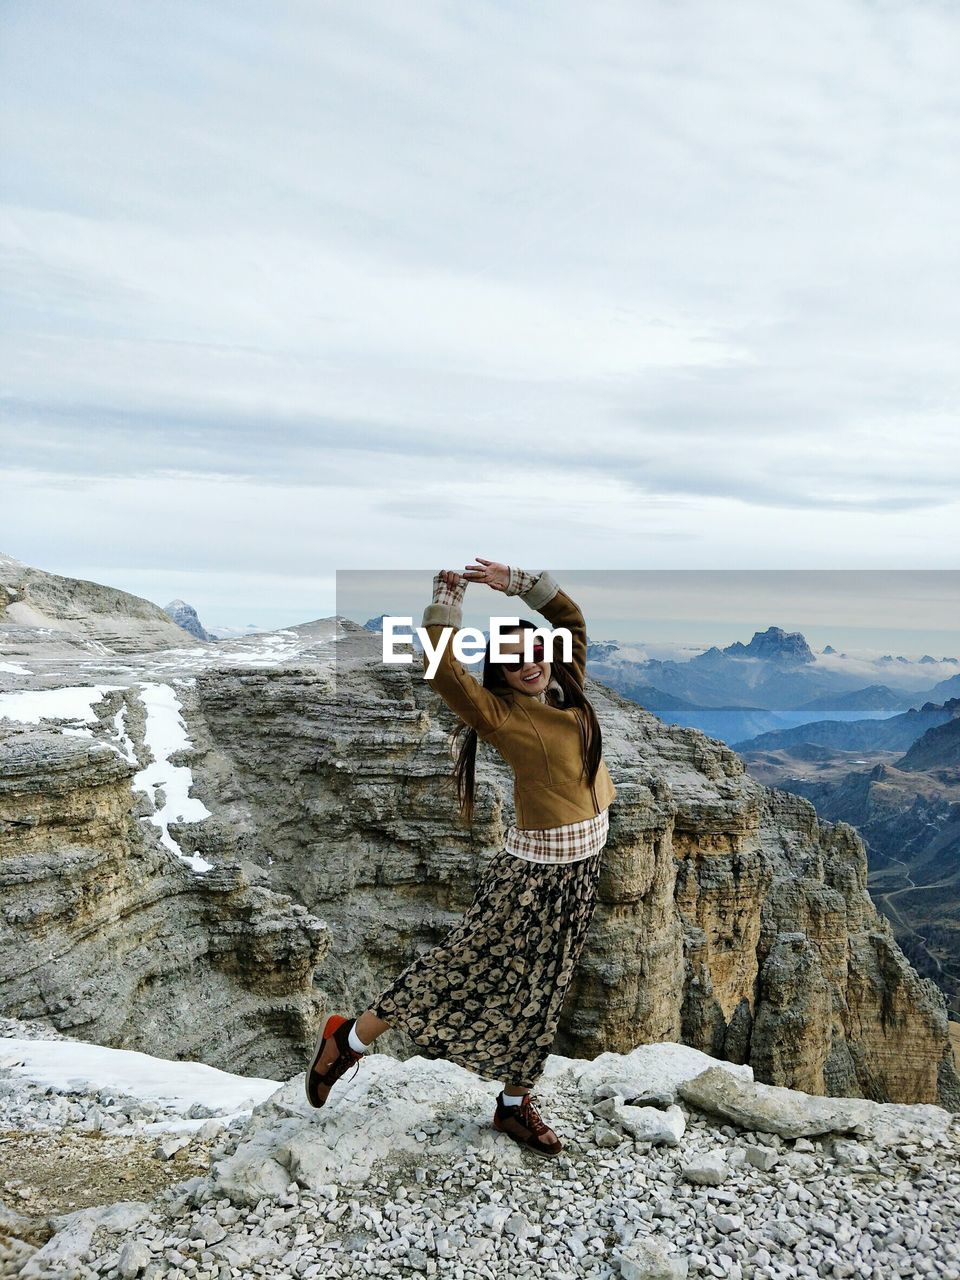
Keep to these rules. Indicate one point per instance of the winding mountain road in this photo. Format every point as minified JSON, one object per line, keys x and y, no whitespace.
{"x":883,"y":900}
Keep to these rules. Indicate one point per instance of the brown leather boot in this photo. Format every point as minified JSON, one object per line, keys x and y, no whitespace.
{"x":332,"y":1058}
{"x":524,"y":1124}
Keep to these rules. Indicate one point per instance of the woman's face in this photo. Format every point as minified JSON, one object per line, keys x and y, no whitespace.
{"x":530,"y":678}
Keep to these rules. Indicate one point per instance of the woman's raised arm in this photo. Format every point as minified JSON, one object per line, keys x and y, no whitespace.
{"x":462,"y":693}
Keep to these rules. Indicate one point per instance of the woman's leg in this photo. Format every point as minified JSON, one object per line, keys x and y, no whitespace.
{"x":439,"y":997}
{"x":336,"y":1052}
{"x":368,"y":1026}
{"x":566,"y":896}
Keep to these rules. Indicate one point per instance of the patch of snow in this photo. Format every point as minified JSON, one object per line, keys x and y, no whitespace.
{"x":165,"y":733}
{"x":70,"y":702}
{"x":196,"y":861}
{"x":15,"y":668}
{"x":73,"y":1064}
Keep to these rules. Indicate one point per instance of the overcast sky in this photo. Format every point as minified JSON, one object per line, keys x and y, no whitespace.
{"x":293,"y":288}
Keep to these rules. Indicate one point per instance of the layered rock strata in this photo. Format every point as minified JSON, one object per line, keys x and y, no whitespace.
{"x":108,"y":935}
{"x":729,"y":917}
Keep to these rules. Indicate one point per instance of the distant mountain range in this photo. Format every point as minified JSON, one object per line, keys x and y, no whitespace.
{"x":938,"y":751}
{"x":774,"y":645}
{"x":773,"y":683}
{"x":874,"y":697}
{"x":895,"y":733}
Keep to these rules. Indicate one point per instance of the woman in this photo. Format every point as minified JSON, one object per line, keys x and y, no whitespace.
{"x":489,"y":995}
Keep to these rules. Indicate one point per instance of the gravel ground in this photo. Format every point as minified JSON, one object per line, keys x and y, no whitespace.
{"x":54,"y":1172}
{"x":720,"y":1201}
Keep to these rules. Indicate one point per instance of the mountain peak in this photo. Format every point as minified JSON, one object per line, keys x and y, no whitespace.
{"x":774,"y":644}
{"x":185,"y":615}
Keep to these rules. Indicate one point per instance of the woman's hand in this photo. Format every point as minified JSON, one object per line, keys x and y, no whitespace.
{"x":489,"y":573}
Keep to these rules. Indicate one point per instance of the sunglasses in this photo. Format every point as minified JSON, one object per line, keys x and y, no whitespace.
{"x":515,"y":661}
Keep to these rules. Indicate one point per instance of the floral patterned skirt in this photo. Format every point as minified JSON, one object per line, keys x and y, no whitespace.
{"x":488,"y":997}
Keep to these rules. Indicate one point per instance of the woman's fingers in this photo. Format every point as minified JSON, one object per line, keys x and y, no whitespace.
{"x":492,"y":573}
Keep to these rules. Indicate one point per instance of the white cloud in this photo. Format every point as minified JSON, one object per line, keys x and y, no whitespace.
{"x":677,"y":278}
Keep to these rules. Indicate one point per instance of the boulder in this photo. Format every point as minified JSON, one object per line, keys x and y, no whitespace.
{"x":791,"y":1113}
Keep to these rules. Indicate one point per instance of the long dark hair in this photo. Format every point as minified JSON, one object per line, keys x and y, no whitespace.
{"x":465,"y":770}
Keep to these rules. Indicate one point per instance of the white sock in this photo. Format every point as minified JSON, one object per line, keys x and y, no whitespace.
{"x":354,"y":1041}
{"x":512,"y":1100}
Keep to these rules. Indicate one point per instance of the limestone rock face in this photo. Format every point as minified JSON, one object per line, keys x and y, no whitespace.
{"x":729,"y":916}
{"x":108,"y":935}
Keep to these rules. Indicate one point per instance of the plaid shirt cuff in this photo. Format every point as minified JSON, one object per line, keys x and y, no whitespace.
{"x":521,"y":580}
{"x":443,"y":593}
{"x":447,"y":606}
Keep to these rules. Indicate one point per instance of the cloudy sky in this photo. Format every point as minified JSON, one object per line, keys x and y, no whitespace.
{"x":301,"y":287}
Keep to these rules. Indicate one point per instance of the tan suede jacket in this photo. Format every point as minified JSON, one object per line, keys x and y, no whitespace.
{"x":541,"y":743}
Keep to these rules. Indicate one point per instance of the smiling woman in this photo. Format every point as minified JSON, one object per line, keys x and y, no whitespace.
{"x":489,"y":996}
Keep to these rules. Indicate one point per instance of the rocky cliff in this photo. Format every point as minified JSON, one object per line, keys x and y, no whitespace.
{"x":730,"y":918}
{"x":907,"y":809}
{"x":109,"y":935}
